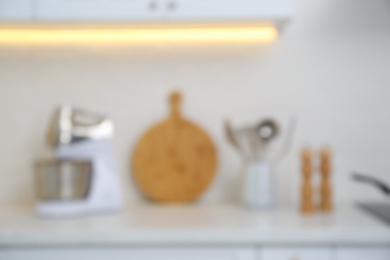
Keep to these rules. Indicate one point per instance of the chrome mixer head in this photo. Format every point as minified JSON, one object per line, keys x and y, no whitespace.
{"x":70,"y":125}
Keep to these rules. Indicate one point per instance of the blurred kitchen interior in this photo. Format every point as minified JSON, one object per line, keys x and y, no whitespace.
{"x":328,"y":67}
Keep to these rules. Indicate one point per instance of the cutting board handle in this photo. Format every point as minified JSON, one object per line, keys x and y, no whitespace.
{"x":175,"y":100}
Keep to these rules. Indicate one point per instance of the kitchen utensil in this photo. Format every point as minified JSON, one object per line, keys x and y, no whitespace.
{"x":248,"y":142}
{"x":62,"y":179}
{"x":307,"y":205}
{"x":371,"y":180}
{"x":78,"y":135}
{"x":326,"y":203}
{"x":230,"y":135}
{"x":174,"y":161}
{"x":378,"y":209}
{"x":267,"y":130}
{"x":252,"y":143}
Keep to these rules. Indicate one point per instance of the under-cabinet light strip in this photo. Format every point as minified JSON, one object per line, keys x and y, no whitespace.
{"x":108,"y":36}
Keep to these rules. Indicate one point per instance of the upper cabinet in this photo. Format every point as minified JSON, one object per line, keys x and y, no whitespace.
{"x":98,"y":10}
{"x":230,"y":10}
{"x":275,"y":11}
{"x":15,"y":10}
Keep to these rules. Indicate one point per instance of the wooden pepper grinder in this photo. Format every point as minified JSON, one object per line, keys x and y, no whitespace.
{"x":307,"y":205}
{"x":326,"y":189}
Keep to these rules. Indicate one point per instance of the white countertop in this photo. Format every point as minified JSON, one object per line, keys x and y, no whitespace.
{"x":194,"y":225}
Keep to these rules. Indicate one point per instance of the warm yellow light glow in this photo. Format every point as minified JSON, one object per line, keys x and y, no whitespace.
{"x":108,"y":36}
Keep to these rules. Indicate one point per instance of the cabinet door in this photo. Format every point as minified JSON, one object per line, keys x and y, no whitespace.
{"x":227,"y":10}
{"x":98,"y":10}
{"x":15,"y":10}
{"x":297,"y":253}
{"x":368,"y":253}
{"x":128,"y":254}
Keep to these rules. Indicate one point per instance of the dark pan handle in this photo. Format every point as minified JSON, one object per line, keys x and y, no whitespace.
{"x":368,"y":179}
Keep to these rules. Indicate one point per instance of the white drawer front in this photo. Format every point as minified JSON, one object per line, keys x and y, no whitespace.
{"x":366,"y":253}
{"x":296,"y":253}
{"x":128,"y":254}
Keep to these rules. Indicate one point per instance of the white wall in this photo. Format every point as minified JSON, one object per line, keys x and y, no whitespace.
{"x":331,"y":67}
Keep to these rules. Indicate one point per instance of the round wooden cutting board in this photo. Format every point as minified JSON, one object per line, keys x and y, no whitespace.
{"x":175,"y":161}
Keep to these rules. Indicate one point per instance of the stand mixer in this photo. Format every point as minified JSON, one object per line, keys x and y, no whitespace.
{"x":83,"y":179}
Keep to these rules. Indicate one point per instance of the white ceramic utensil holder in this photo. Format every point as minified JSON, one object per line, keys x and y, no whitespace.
{"x":258,"y":185}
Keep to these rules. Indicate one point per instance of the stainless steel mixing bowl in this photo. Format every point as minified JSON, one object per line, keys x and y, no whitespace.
{"x":62,"y":179}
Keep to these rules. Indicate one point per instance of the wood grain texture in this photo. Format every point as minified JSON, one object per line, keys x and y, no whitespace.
{"x":307,"y":205}
{"x":326,"y":203}
{"x":175,"y":161}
